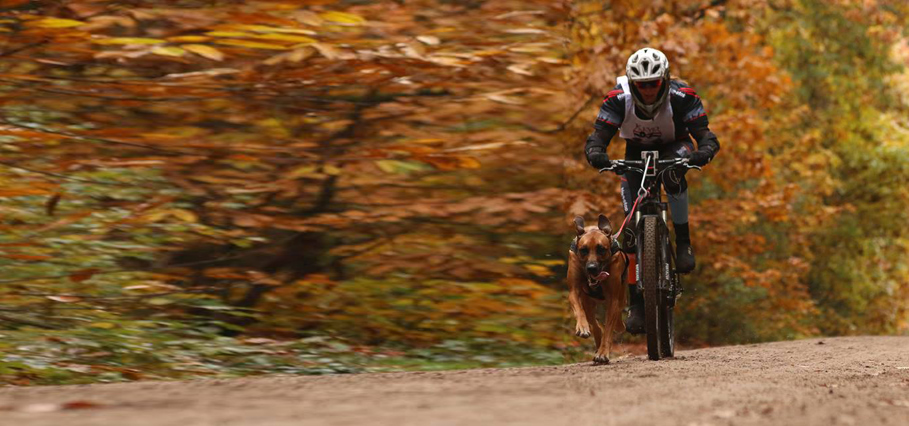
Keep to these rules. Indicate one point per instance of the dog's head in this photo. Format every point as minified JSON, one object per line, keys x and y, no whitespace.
{"x":594,"y":247}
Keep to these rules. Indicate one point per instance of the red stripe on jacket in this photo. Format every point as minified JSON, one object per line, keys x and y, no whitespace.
{"x":689,"y":91}
{"x":612,"y":94}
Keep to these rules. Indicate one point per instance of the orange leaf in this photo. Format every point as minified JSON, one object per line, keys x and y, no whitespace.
{"x":18,"y":192}
{"x":204,"y":51}
{"x":12,"y":3}
{"x":79,"y":276}
{"x":225,"y":273}
{"x":452,"y":162}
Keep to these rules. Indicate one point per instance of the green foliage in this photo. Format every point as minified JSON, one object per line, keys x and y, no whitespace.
{"x":134,"y":350}
{"x":840,"y":56}
{"x":404,"y":312}
{"x":141,"y":350}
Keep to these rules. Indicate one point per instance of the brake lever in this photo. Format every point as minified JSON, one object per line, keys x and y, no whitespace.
{"x":619,"y":169}
{"x":614,"y":167}
{"x":685,"y":162}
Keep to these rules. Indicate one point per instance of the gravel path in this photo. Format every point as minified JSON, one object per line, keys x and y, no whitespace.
{"x":860,"y":381}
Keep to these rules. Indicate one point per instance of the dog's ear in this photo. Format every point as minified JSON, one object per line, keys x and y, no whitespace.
{"x":579,"y":223}
{"x":604,"y":225}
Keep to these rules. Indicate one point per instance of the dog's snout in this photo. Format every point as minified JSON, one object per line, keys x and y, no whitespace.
{"x":592,"y":268}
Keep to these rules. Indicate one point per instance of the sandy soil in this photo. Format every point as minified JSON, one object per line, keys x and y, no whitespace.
{"x":844,"y":381}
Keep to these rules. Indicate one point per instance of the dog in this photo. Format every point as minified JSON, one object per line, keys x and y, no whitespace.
{"x":596,"y":275}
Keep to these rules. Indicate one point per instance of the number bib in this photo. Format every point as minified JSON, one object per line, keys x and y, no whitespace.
{"x":658,"y":130}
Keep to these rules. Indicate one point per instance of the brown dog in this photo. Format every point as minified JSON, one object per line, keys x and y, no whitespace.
{"x":596,"y":275}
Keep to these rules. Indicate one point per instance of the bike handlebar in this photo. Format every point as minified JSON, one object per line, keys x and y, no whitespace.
{"x":621,"y":166}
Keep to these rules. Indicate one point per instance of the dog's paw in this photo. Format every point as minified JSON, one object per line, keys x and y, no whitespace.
{"x":582,"y":332}
{"x":600,"y":360}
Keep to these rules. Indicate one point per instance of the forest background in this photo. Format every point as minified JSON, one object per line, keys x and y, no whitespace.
{"x":218,"y":188}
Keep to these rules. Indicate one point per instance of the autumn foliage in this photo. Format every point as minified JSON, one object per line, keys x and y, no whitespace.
{"x":268,"y":176}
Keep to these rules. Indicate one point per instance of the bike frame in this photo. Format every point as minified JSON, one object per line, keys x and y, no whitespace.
{"x":659,"y":282}
{"x":653,"y":205}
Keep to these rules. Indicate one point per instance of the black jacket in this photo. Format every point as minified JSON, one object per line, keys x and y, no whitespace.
{"x":688,"y":115}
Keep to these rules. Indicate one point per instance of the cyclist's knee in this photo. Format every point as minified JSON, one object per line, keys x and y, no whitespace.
{"x":674,"y":182}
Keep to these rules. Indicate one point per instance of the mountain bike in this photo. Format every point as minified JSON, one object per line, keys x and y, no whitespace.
{"x":648,"y":235}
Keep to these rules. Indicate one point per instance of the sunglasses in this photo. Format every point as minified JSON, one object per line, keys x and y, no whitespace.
{"x":648,"y":84}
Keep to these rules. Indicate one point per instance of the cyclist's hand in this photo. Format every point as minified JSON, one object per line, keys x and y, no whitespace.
{"x":699,"y":158}
{"x":597,"y":158}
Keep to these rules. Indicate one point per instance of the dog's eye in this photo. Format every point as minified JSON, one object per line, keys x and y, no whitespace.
{"x":584,"y":251}
{"x":601,"y":250}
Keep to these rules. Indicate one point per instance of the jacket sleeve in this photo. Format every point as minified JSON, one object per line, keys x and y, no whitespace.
{"x":609,"y":119}
{"x":600,"y":138}
{"x":706,"y":140}
{"x":612,"y":110}
{"x":698,"y":125}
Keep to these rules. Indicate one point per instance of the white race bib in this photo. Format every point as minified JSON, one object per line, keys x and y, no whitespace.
{"x":655,"y":131}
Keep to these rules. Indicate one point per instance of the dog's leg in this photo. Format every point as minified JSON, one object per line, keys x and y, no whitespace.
{"x":575,"y":273}
{"x":615,"y":301}
{"x":602,"y":335}
{"x":582,"y":327}
{"x":590,"y":307}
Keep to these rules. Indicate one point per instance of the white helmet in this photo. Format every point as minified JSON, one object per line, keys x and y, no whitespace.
{"x":648,"y":64}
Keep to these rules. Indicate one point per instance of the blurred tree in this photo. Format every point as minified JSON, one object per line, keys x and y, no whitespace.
{"x":240,"y":148}
{"x":846,"y":127}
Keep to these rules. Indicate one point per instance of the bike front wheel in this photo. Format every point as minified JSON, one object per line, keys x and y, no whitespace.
{"x":667,"y":299}
{"x":667,"y":331}
{"x":650,"y":276}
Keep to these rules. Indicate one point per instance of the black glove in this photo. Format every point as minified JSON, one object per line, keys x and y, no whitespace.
{"x":699,"y":158}
{"x":597,"y":158}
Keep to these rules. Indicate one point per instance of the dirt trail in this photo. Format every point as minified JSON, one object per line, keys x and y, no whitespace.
{"x":844,"y":381}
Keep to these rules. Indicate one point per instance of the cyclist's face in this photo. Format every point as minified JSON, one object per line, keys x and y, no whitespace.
{"x":649,"y":90}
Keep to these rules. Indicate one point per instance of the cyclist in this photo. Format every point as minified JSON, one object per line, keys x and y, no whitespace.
{"x":654,"y":113}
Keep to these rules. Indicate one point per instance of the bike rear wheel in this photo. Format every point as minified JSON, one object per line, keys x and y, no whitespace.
{"x":650,"y":275}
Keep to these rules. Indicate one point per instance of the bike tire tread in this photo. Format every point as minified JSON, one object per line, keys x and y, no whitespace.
{"x":650,"y":276}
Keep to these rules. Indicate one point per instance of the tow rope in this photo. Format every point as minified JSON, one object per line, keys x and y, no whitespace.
{"x":631,"y":213}
{"x":642,"y":192}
